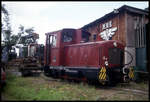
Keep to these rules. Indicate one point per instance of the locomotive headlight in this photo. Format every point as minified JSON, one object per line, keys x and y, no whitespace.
{"x":106,"y":63}
{"x":115,"y":44}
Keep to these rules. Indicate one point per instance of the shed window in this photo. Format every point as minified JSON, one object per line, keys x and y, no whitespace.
{"x":140,"y":32}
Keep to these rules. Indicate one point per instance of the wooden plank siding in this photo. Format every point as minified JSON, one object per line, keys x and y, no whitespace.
{"x":117,"y":21}
{"x":125,"y":21}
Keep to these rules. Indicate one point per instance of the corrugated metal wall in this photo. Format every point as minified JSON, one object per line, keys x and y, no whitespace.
{"x":140,"y":43}
{"x":136,"y":40}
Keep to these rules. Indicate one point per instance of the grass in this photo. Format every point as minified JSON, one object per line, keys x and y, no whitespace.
{"x":37,"y":88}
{"x":29,"y":88}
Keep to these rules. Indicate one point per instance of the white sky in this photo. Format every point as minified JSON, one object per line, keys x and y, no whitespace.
{"x":51,"y":16}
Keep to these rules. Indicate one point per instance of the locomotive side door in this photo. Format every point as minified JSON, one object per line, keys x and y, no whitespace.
{"x":50,"y":45}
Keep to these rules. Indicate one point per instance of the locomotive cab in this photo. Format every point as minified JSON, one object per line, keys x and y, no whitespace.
{"x":56,"y":41}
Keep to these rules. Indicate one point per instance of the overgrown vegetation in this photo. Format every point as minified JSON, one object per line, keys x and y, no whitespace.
{"x":12,"y":40}
{"x":42,"y":88}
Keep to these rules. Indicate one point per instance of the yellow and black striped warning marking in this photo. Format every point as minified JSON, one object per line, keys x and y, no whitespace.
{"x":102,"y":74}
{"x":131,"y":73}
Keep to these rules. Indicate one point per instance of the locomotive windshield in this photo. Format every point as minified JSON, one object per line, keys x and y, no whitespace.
{"x":67,"y":36}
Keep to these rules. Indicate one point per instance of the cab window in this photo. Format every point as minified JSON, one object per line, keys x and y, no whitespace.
{"x":53,"y":40}
{"x":67,"y":36}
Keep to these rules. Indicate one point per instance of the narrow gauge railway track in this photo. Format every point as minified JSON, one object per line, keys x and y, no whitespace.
{"x":134,"y":91}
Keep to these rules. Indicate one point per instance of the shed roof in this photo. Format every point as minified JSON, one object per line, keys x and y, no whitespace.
{"x":112,"y":14}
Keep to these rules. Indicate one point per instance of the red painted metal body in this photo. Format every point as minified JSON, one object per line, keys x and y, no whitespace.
{"x":69,"y":54}
{"x":77,"y":54}
{"x":89,"y":54}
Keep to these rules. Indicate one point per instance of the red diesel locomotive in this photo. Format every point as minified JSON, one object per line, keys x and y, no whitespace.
{"x":70,"y":55}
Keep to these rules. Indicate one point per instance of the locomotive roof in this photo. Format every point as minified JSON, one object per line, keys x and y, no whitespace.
{"x":55,"y":32}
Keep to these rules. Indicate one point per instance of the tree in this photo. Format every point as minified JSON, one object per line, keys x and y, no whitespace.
{"x":4,"y":10}
{"x":10,"y":39}
{"x":29,"y":30}
{"x":20,"y":34}
{"x":29,"y":37}
{"x":6,"y":28}
{"x":14,"y":39}
{"x":21,"y":30}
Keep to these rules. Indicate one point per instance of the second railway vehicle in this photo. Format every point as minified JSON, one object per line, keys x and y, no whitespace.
{"x":68,"y":54}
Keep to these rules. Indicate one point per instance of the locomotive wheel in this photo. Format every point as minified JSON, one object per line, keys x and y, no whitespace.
{"x":46,"y":74}
{"x":46,"y":71}
{"x":54,"y":74}
{"x":25,"y":73}
{"x":110,"y":81}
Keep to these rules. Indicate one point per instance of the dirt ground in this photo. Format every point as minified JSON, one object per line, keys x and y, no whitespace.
{"x":131,"y":91}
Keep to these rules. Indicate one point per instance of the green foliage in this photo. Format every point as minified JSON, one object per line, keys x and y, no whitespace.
{"x":21,"y":30}
{"x":14,"y":39}
{"x":26,"y":39}
{"x":20,"y":88}
{"x":6,"y":28}
{"x":4,"y":10}
{"x":9,"y":38}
